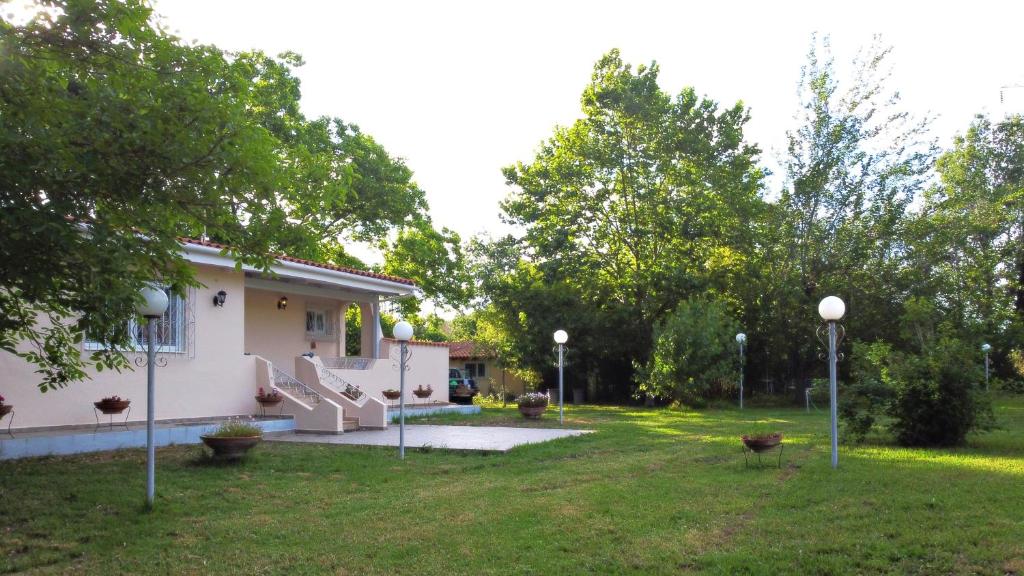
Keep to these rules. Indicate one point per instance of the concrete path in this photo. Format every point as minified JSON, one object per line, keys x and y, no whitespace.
{"x":490,"y":438}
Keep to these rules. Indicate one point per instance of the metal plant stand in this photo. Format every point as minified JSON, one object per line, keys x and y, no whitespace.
{"x":263,"y":408}
{"x":110,"y":423}
{"x":9,"y":422}
{"x":748,"y":451}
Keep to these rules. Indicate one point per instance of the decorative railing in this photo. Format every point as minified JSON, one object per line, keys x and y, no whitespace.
{"x":341,"y":385}
{"x":288,"y":383}
{"x":347,"y":363}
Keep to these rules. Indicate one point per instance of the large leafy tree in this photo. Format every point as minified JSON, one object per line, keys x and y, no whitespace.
{"x":644,"y":201}
{"x":969,"y":239}
{"x":855,"y":163}
{"x":116,"y":139}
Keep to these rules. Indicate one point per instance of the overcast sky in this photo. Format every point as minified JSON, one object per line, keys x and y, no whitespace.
{"x":460,"y":90}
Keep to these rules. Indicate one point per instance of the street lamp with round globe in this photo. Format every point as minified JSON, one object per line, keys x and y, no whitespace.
{"x":154,"y":304}
{"x":403,"y":331}
{"x":561,"y":337}
{"x":831,"y":308}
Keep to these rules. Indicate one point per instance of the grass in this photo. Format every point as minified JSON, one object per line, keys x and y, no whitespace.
{"x":654,"y":491}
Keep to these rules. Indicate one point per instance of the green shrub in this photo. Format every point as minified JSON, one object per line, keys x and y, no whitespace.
{"x":694,"y":356}
{"x":937,"y":398}
{"x":870,"y":391}
{"x":236,"y":429}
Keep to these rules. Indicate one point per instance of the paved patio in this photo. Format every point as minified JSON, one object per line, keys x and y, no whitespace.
{"x":485,"y":438}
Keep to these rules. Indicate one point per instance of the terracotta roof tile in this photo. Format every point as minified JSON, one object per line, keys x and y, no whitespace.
{"x":323,"y":265}
{"x":468,"y":349}
{"x":421,"y":343}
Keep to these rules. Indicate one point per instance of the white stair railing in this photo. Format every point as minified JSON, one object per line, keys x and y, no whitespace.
{"x":288,"y":383}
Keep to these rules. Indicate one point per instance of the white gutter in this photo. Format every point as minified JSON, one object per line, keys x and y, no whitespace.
{"x":200,"y":254}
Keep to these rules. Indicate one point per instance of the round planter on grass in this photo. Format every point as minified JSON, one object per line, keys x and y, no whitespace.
{"x":230,"y":448}
{"x":532,"y":412}
{"x":762,"y":443}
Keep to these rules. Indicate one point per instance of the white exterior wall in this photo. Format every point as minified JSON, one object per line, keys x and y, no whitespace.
{"x":428,"y":365}
{"x":218,"y":381}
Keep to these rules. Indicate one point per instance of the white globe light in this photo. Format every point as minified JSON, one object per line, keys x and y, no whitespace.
{"x":154,"y":302}
{"x":831,"y":308}
{"x":403,"y":331}
{"x":561,"y":337}
{"x":986,"y":347}
{"x":741,"y":337}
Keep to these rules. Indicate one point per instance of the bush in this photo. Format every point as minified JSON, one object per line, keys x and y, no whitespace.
{"x":937,"y":399}
{"x":870,"y":392}
{"x":694,"y":355}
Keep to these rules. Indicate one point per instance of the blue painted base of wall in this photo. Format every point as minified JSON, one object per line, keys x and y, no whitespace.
{"x":411,"y":411}
{"x":58,"y":442}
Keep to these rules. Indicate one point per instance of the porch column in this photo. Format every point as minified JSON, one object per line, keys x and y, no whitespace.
{"x":342,"y":334}
{"x":370,"y":331}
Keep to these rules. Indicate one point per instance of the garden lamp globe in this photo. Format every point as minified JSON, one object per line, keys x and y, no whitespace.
{"x":154,"y":302}
{"x":831,"y":308}
{"x":741,"y":338}
{"x":403,"y":331}
{"x":561,"y":337}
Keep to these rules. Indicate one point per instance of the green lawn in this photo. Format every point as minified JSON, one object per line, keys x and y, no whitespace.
{"x":654,"y":491}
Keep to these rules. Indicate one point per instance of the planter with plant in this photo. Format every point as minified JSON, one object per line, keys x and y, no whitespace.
{"x":392,"y":394}
{"x":532,"y":405}
{"x":422,"y":392}
{"x":273,"y":398}
{"x":112,"y":405}
{"x":233,"y":439}
{"x":5,"y":409}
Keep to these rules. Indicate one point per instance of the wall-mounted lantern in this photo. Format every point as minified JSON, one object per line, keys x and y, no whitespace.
{"x":219,"y":298}
{"x":282,"y":303}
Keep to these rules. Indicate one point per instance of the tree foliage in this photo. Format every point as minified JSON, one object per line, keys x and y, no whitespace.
{"x":116,"y":139}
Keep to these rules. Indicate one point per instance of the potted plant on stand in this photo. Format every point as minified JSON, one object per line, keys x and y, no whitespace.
{"x":422,"y":392}
{"x":112,"y":405}
{"x":532,"y":405}
{"x":392,"y":395}
{"x":266,"y":400}
{"x":232,"y":439}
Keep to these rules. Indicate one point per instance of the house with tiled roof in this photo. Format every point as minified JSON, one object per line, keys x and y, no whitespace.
{"x":483,"y":365}
{"x":243,"y":329}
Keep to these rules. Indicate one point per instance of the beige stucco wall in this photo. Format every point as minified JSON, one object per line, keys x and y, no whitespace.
{"x":492,"y":382}
{"x":428,"y":366}
{"x":280,"y":335}
{"x":219,"y":380}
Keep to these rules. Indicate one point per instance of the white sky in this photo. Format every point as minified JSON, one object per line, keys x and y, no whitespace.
{"x":461,"y":89}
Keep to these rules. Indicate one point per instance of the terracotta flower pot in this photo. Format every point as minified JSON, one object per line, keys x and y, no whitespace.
{"x":112,"y":406}
{"x":762,"y":443}
{"x":392,"y":394}
{"x":230,"y":448}
{"x":5,"y":409}
{"x":532,"y":412}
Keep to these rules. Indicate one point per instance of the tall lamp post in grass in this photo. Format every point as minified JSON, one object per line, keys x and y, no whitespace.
{"x":831,"y":309}
{"x":741,"y":339}
{"x":402,"y":333}
{"x":561,"y":337}
{"x":152,"y":308}
{"x":986,"y":348}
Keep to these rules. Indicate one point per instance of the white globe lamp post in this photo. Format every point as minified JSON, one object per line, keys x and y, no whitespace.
{"x":832,"y":309}
{"x":152,"y":307}
{"x":741,"y":339}
{"x":561,"y":337}
{"x":986,"y":348}
{"x":402,"y":333}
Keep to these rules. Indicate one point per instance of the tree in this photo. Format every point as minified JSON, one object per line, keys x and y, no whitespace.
{"x":855,"y":164}
{"x":116,"y":139}
{"x":969,"y":239}
{"x":641,"y":203}
{"x":694,"y":353}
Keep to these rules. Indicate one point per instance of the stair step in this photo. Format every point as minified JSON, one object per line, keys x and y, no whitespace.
{"x":350,"y":424}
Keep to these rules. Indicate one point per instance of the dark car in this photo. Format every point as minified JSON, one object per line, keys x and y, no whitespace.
{"x":461,"y":389}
